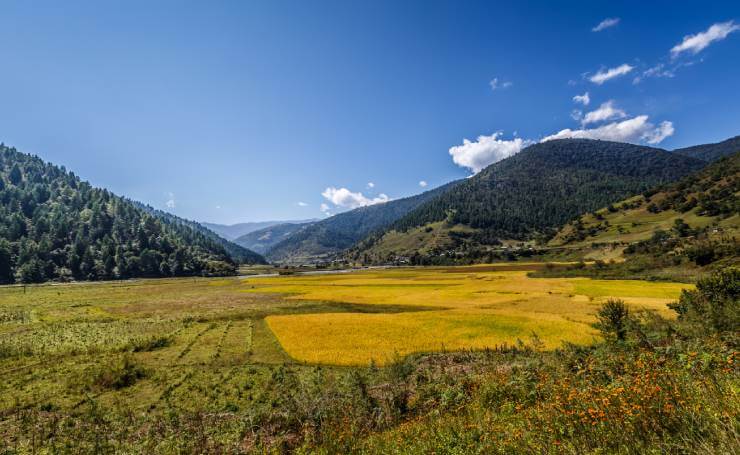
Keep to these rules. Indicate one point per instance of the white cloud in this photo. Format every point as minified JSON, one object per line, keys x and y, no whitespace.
{"x":656,"y":135}
{"x":606,"y":23}
{"x":423,"y":183}
{"x":324,"y":207}
{"x":218,"y":207}
{"x":696,"y":43}
{"x":659,"y":70}
{"x":583,"y":99}
{"x":170,"y":201}
{"x":370,"y":185}
{"x":496,"y":84}
{"x":606,"y":111}
{"x":485,"y":151}
{"x":604,"y":75}
{"x":636,"y":129}
{"x":302,"y":204}
{"x":342,"y":197}
{"x":576,"y":114}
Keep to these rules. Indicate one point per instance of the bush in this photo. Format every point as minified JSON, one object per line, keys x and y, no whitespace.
{"x":715,"y":304}
{"x":122,"y":372}
{"x":148,"y":344}
{"x":613,"y":318}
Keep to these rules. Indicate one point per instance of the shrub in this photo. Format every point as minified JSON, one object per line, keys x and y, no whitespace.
{"x":613,"y":318}
{"x":715,"y":304}
{"x":120,"y":373}
{"x":148,"y":344}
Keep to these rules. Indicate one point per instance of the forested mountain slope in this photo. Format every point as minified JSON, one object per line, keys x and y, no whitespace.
{"x":706,"y":198}
{"x":339,"y":232}
{"x":261,"y":241}
{"x":238,"y":253}
{"x":529,"y":195}
{"x":712,"y":152}
{"x":679,"y":231}
{"x":54,"y":226}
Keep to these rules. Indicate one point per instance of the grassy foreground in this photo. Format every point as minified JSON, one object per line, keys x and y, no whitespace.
{"x":192,"y":366}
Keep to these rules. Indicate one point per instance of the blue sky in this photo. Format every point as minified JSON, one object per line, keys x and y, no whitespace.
{"x":245,"y":111}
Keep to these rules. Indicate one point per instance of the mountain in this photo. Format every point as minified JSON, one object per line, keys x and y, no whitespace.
{"x":323,"y":239}
{"x":712,"y":152}
{"x":680,"y":231}
{"x":54,"y":226}
{"x":706,"y":198}
{"x":263,"y":240}
{"x":527,"y":197}
{"x":234,"y":231}
{"x":238,"y":253}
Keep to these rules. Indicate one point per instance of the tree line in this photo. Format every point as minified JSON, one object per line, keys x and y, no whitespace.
{"x":54,"y":226}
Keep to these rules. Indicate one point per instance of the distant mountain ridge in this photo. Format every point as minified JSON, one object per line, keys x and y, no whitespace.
{"x":261,"y":241}
{"x":323,"y":239}
{"x":527,"y":196}
{"x":712,"y":152}
{"x":234,"y":231}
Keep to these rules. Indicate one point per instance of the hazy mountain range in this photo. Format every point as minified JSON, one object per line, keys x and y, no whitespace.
{"x":234,"y":231}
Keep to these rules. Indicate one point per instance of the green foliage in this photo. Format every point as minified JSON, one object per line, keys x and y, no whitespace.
{"x":670,"y":388}
{"x":238,"y":253}
{"x":714,"y":190}
{"x":53,"y":226}
{"x":715,"y":304}
{"x":119,"y":373}
{"x":148,"y":344}
{"x":613,"y":319}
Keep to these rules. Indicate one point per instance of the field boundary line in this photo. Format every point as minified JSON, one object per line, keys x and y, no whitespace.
{"x":220,"y":343}
{"x":192,"y":342}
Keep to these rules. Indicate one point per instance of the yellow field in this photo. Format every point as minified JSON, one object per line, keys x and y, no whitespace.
{"x":432,"y":309}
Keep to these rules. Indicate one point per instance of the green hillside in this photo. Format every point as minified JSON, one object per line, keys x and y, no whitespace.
{"x":676,"y":231}
{"x":706,"y":198}
{"x":527,"y":197}
{"x":324,"y":239}
{"x":54,"y":226}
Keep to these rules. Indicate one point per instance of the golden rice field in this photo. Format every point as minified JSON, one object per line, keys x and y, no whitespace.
{"x":435,"y":309}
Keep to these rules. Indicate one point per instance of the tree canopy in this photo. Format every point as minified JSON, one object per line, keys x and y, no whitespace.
{"x":54,"y":226}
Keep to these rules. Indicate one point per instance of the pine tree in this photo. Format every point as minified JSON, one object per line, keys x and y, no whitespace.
{"x":6,"y":266}
{"x":15,"y":175}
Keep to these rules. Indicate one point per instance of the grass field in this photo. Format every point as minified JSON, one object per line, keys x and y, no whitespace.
{"x":215,"y":347}
{"x":175,"y":326}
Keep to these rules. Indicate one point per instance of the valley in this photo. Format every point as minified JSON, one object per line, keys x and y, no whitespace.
{"x":367,"y":228}
{"x":447,"y":319}
{"x":195,"y":345}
